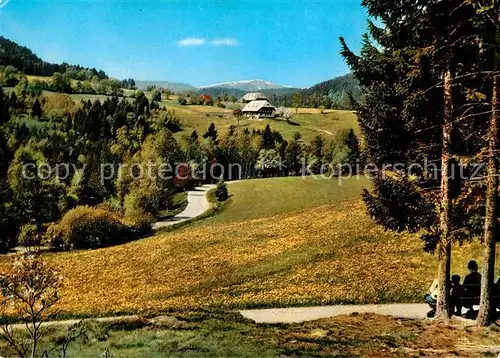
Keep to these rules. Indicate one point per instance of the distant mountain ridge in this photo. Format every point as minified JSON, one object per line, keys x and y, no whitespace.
{"x":333,"y":93}
{"x":219,"y":91}
{"x":247,"y":85}
{"x":173,"y":86}
{"x":235,"y":88}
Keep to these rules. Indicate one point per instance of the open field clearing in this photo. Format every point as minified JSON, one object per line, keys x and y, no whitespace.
{"x":253,"y":199}
{"x":39,"y":78}
{"x":310,"y":125}
{"x":323,"y":255}
{"x":310,"y":121}
{"x":330,"y":122}
{"x":313,"y":111}
{"x":228,"y":335}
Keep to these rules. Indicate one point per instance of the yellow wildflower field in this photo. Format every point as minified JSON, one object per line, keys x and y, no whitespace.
{"x":324,"y":255}
{"x":308,"y":242}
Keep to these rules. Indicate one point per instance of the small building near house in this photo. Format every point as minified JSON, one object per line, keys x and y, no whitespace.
{"x":254,"y":96}
{"x":259,"y":109}
{"x":207,"y":99}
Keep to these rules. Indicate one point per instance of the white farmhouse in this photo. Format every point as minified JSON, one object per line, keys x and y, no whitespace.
{"x":259,"y":109}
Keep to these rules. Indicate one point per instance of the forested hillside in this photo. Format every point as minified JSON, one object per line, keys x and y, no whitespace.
{"x":333,"y":94}
{"x":336,"y":89}
{"x":22,"y":58}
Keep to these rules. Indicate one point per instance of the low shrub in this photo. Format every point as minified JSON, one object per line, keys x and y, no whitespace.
{"x":29,"y":236}
{"x":141,"y":224}
{"x":143,"y":198}
{"x":221,"y":192}
{"x":86,"y":227}
{"x":127,"y":324}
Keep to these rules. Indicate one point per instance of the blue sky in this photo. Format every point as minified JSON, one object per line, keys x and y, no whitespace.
{"x":197,"y":42}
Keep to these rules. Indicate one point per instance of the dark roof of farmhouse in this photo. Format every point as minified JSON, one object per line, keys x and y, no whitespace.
{"x":256,"y":106}
{"x":253,"y":96}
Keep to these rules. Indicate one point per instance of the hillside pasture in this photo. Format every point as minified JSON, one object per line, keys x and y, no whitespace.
{"x":293,"y":254}
{"x":310,"y":122}
{"x":259,"y":198}
{"x":46,"y":79}
{"x":302,"y":110}
{"x":308,"y":125}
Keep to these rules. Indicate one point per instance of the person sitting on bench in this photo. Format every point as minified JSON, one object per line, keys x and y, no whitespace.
{"x":471,"y":289}
{"x":431,"y":298}
{"x":456,"y":296}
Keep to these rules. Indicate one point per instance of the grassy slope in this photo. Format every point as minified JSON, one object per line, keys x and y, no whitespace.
{"x":273,"y":256}
{"x":39,"y":78}
{"x":252,"y":199}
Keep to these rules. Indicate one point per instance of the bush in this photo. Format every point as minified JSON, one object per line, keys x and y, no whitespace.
{"x":112,"y":204}
{"x":29,"y":236}
{"x":156,"y":95}
{"x":173,"y":124}
{"x":85,"y":227}
{"x":221,"y":193}
{"x":143,"y":198}
{"x":142,"y":224}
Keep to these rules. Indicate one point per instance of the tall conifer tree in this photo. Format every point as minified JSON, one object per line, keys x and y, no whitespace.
{"x":489,"y":16}
{"x":410,"y":104}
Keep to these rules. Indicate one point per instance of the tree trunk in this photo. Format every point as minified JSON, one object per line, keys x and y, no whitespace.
{"x":444,"y":245}
{"x":487,"y":307}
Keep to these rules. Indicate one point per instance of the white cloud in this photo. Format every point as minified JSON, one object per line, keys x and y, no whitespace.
{"x":192,"y":41}
{"x":225,"y":42}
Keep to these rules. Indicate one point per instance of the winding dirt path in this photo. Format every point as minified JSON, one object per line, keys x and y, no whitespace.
{"x":291,"y":314}
{"x":197,"y":205}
